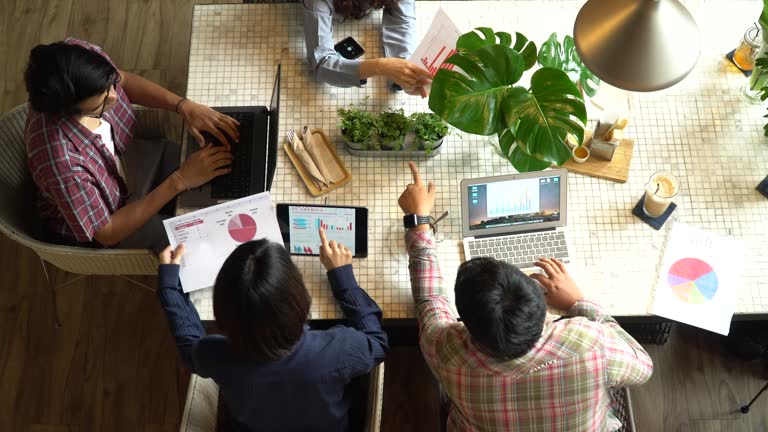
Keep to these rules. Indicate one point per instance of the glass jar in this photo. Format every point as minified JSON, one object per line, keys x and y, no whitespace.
{"x":751,"y":91}
{"x":745,"y":54}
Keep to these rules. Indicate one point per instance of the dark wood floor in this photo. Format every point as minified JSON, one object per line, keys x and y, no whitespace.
{"x":113,"y":366}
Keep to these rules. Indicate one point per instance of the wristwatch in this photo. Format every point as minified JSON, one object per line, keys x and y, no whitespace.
{"x":412,"y":220}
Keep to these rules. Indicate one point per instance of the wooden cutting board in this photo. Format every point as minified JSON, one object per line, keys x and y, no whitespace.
{"x":615,"y":170}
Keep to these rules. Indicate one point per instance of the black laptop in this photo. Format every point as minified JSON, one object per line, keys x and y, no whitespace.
{"x":255,"y":156}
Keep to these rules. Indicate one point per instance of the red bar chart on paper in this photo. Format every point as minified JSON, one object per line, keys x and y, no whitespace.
{"x":437,"y":45}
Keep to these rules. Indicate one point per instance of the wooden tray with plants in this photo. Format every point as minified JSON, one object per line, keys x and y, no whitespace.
{"x":391,"y":134}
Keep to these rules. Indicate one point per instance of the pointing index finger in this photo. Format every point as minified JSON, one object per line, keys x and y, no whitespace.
{"x":323,"y":239}
{"x":415,"y":172}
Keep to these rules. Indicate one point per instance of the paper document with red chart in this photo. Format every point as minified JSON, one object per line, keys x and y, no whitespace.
{"x":209,"y":235}
{"x":437,"y":45}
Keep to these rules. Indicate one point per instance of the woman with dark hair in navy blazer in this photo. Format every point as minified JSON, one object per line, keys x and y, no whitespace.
{"x":276,"y":374}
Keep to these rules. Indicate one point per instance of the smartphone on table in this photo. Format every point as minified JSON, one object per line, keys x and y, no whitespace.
{"x":349,"y":48}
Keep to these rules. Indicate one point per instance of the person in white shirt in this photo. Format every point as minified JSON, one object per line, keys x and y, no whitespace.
{"x":398,"y":29}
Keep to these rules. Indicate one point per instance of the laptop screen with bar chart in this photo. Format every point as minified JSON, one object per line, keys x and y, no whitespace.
{"x":519,"y":202}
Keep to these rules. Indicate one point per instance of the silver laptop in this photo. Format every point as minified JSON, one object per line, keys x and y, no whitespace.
{"x":516,"y":218}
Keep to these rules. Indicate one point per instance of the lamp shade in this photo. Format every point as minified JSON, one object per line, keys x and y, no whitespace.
{"x":637,"y":45}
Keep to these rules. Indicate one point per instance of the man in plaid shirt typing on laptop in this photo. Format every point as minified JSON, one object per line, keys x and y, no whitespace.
{"x":510,"y":365}
{"x":98,"y":185}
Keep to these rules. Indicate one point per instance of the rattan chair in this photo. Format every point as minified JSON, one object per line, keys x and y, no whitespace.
{"x":200,"y":410}
{"x":18,"y":214}
{"x":621,"y":404}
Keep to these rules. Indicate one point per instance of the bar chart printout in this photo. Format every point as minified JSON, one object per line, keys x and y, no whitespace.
{"x":438,"y":44}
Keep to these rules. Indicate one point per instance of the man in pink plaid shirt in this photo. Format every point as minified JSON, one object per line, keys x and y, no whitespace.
{"x":510,"y":365}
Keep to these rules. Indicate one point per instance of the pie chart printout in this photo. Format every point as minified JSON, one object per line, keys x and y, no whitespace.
{"x":692,"y":280}
{"x":242,"y":228}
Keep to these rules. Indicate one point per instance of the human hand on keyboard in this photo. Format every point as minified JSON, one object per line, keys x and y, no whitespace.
{"x":211,"y":139}
{"x":205,"y":164}
{"x":201,"y":118}
{"x":562,"y":292}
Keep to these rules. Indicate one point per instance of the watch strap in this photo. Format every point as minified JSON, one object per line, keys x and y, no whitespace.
{"x":412,"y":220}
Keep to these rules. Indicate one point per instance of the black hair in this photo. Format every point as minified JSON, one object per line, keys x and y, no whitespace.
{"x":59,"y":76}
{"x":502,"y":308}
{"x":260,"y":301}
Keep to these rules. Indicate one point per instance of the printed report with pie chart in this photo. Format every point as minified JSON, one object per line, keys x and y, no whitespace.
{"x":698,"y":279}
{"x":211,"y":234}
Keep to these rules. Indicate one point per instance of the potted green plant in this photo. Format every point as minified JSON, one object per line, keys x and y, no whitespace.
{"x":429,"y":130}
{"x":393,"y":127}
{"x":483,"y":98}
{"x":390,"y":133}
{"x":358,"y":128}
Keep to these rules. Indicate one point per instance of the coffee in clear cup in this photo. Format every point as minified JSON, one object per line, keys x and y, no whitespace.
{"x":662,"y":186}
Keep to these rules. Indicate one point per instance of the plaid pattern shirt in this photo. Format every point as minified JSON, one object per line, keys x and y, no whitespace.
{"x":76,"y":175}
{"x":561,"y":384}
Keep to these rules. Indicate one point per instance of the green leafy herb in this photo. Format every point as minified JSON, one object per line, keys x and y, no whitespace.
{"x":428,"y":127}
{"x":393,"y":125}
{"x":389,"y":128}
{"x":357,"y":125}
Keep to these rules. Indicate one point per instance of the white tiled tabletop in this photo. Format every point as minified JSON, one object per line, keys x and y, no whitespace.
{"x":699,"y":129}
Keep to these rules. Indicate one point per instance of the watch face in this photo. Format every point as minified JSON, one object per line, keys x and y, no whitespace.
{"x":410,"y":221}
{"x":413,"y":220}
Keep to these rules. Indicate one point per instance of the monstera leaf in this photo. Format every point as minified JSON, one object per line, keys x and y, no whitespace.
{"x":482,"y":98}
{"x":473,"y":101}
{"x":483,"y":36}
{"x":546,"y":114}
{"x":522,"y":161}
{"x":564,"y":57}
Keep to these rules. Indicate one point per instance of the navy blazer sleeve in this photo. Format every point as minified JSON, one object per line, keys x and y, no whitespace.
{"x":368,"y":346}
{"x":180,"y":313}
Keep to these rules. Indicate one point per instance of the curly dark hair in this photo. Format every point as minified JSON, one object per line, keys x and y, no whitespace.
{"x":353,"y":9}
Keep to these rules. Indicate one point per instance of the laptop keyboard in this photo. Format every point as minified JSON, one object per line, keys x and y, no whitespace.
{"x":237,"y":183}
{"x":521,"y":250}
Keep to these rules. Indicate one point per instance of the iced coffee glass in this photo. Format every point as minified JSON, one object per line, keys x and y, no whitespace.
{"x":662,"y":186}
